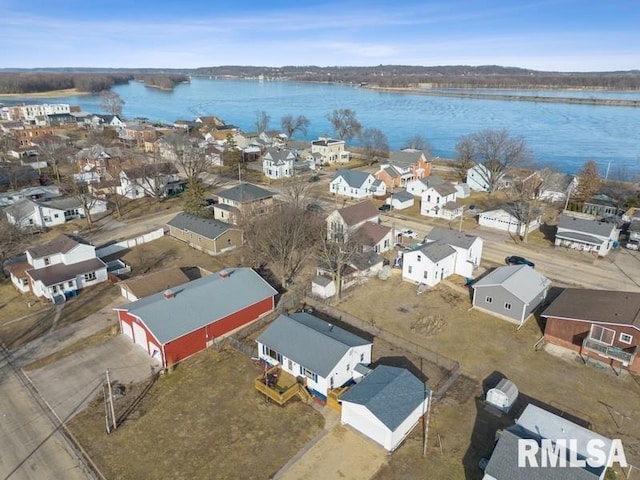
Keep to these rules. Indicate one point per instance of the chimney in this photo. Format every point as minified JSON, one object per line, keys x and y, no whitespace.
{"x":224,"y":273}
{"x":168,"y":294}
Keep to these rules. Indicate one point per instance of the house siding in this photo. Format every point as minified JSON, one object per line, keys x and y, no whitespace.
{"x":499,"y":297}
{"x":228,"y":240}
{"x":571,"y":333}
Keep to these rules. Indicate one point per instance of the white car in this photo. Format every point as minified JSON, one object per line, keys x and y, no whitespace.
{"x":409,"y":234}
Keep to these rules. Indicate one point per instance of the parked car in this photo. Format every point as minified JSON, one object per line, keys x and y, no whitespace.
{"x":632,"y":244}
{"x":409,"y":234}
{"x":314,"y":207}
{"x":516,"y":260}
{"x":314,"y":178}
{"x":385,"y":207}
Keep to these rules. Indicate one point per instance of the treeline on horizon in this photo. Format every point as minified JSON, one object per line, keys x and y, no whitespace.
{"x":36,"y":82}
{"x":399,"y":76}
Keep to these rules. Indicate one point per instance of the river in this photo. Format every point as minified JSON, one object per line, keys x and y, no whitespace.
{"x":559,"y":135}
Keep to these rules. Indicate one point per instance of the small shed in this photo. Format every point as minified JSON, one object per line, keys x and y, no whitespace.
{"x":503,"y":395}
{"x":323,"y":287}
{"x":401,"y":200}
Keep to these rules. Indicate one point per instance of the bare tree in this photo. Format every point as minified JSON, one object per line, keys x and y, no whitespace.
{"x":189,"y":157}
{"x":496,"y":152}
{"x":262,"y":121}
{"x":297,"y":191}
{"x":151,"y":175}
{"x":464,"y":152}
{"x":374,"y":144}
{"x":524,"y":201}
{"x":417,"y":142}
{"x":344,"y":124}
{"x":284,"y":239}
{"x":13,"y":240}
{"x":52,"y":151}
{"x":111,"y":102}
{"x":291,"y":125}
{"x":589,"y":180}
{"x":334,"y":257}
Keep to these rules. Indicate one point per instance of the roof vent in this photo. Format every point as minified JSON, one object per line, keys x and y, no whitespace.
{"x":225,"y":273}
{"x":169,"y":294}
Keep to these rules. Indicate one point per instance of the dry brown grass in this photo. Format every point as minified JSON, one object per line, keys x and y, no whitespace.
{"x":131,"y":209}
{"x":484,"y":346}
{"x":205,"y":420}
{"x":14,"y":304}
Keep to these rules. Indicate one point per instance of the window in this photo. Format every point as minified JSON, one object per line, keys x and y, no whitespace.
{"x":25,"y":282}
{"x":602,"y":334}
{"x":419,"y":257}
{"x":47,"y":261}
{"x":70,"y":284}
{"x":272,"y":353}
{"x":426,"y":275}
{"x":409,"y":269}
{"x":348,"y":367}
{"x":507,"y":306}
{"x":626,"y":338}
{"x":89,"y":277}
{"x":55,"y":215}
{"x":488,"y":300}
{"x":309,"y":374}
{"x":362,"y":357}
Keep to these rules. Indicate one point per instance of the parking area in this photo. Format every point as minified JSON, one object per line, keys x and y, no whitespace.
{"x":70,"y":383}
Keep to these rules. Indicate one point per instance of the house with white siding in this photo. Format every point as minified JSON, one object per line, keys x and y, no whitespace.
{"x":321,"y":353}
{"x":440,"y":201}
{"x":278,"y":163}
{"x":508,"y":220}
{"x":586,"y":235}
{"x":444,"y":253}
{"x":57,"y":269}
{"x":33,"y":214}
{"x":356,"y":184}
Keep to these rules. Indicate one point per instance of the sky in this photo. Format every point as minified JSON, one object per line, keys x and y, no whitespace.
{"x":552,"y":35}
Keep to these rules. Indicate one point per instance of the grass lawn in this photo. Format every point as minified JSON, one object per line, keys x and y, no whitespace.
{"x":485,"y":346}
{"x":130,"y":209}
{"x":203,"y":421}
{"x":169,"y":252}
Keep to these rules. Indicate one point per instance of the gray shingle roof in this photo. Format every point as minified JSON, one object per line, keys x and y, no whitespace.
{"x":207,"y":227}
{"x":358,"y":212}
{"x":390,"y":393}
{"x":309,"y":341}
{"x":406,"y":158}
{"x":62,"y":203}
{"x":245,"y":192}
{"x":21,"y":209}
{"x":444,"y":188}
{"x":589,"y":227}
{"x":402,"y":196}
{"x":354,"y":178}
{"x":451,"y":237}
{"x":437,"y":251}
{"x":61,"y":244}
{"x":322,"y":280}
{"x":522,"y":281}
{"x":200,"y":302}
{"x":58,"y":273}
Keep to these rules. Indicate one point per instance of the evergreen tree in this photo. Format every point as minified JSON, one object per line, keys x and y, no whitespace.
{"x":194,"y":201}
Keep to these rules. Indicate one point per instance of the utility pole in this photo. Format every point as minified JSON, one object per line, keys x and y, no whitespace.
{"x":113,"y":412}
{"x":461,"y":218}
{"x":106,"y":410}
{"x":426,"y":428}
{"x":239,"y":174}
{"x":606,"y":175}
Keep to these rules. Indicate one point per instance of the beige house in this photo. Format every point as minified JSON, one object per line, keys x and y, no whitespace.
{"x":208,"y":235}
{"x":243,"y":198}
{"x":329,"y":151}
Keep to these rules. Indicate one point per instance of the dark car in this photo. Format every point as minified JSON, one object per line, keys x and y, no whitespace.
{"x":314,"y":178}
{"x":385,"y":207}
{"x":314,"y":207}
{"x":515,"y":260}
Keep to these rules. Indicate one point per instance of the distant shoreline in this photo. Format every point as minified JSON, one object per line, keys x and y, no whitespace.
{"x":518,"y":98}
{"x":67,"y":92}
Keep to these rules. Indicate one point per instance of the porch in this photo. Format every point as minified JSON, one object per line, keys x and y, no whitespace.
{"x":280,"y":386}
{"x":608,"y":351}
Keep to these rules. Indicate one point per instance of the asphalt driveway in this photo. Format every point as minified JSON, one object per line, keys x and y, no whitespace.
{"x":70,"y":383}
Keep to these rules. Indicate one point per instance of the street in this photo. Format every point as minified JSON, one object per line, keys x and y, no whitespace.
{"x":30,"y":446}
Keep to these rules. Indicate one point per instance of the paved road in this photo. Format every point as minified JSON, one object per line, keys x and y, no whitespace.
{"x":30,"y":446}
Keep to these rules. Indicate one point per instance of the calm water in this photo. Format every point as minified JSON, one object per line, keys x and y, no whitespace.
{"x":560,"y":135}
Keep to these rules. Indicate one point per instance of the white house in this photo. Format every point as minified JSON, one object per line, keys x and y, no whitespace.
{"x":479,"y":179}
{"x":420,"y":185}
{"x":586,"y":235}
{"x":29,"y":213}
{"x":360,"y":268}
{"x":160,"y":179}
{"x":385,"y":405}
{"x":444,"y":253}
{"x":501,"y":219}
{"x":278,"y":163}
{"x":329,"y":151}
{"x":440,"y":201}
{"x":344,"y":221}
{"x":556,"y":186}
{"x":356,"y":184}
{"x":39,"y":193}
{"x":324,"y":354}
{"x":57,"y":269}
{"x":401,"y":200}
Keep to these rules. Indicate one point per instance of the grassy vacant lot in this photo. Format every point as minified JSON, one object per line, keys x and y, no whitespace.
{"x":168,"y":252}
{"x":461,"y":432}
{"x":203,"y":421}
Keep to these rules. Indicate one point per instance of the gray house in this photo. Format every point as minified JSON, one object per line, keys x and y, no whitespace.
{"x":511,"y":292}
{"x":586,"y":235}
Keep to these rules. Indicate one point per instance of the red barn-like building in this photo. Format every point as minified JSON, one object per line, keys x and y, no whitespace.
{"x":177,"y":323}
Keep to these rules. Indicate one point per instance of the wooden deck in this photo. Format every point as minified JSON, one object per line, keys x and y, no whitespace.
{"x":281,"y":386}
{"x":333,"y":396}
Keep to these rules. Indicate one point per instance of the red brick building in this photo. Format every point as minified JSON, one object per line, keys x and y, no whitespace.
{"x":179,"y":322}
{"x":600,"y":324}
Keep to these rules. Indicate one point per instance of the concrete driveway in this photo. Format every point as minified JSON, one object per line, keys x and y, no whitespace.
{"x":71,"y":383}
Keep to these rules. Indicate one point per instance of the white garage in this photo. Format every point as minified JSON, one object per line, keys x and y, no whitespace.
{"x":125,"y":328}
{"x":140,"y":336}
{"x":386,"y":405}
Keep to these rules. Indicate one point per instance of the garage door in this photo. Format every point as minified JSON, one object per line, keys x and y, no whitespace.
{"x":155,"y":353}
{"x":140,"y":336}
{"x":126,"y":329}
